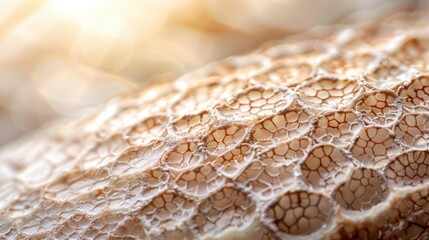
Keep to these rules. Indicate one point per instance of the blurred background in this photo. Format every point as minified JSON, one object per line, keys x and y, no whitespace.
{"x":59,"y":56}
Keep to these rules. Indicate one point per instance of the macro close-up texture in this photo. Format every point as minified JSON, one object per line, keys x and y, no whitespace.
{"x":322,"y":135}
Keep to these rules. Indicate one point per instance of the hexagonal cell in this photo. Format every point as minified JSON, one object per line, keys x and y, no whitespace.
{"x":47,"y":168}
{"x":205,"y":96}
{"x":356,"y":64}
{"x":416,"y":93}
{"x":380,"y":108}
{"x":76,"y":183}
{"x":413,"y":52}
{"x":114,"y":118}
{"x":228,"y":207}
{"x":358,"y":230}
{"x":10,"y":191}
{"x":59,"y":158}
{"x":25,"y":203}
{"x":256,"y":102}
{"x":287,"y":125}
{"x":9,"y":228}
{"x":266,"y":181}
{"x":365,"y":189}
{"x":300,"y":213}
{"x":409,"y":168}
{"x":285,"y":75}
{"x":138,"y":159}
{"x":147,"y":130}
{"x":92,"y":203}
{"x":225,"y":138}
{"x":328,"y":93}
{"x":388,"y":75}
{"x":37,"y":174}
{"x":121,"y":115}
{"x":104,"y":152}
{"x":166,"y":211}
{"x":127,"y":228}
{"x":200,"y":182}
{"x":131,"y":192}
{"x":233,"y":162}
{"x":338,"y":128}
{"x":49,"y":213}
{"x":374,"y":146}
{"x":104,"y":225}
{"x":324,"y":166}
{"x":192,"y":125}
{"x":287,"y":152}
{"x":73,"y":228}
{"x":184,"y":156}
{"x":413,"y":130}
{"x":410,"y":220}
{"x":404,"y":218}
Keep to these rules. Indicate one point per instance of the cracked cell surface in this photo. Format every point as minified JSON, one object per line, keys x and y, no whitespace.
{"x":380,"y":108}
{"x":192,"y":125}
{"x":184,"y":156}
{"x":388,"y":75}
{"x":338,"y":128}
{"x":225,"y":138}
{"x":300,"y":212}
{"x":321,"y":136}
{"x":328,"y":93}
{"x":413,"y":52}
{"x":363,"y":190}
{"x":374,"y":146}
{"x":288,"y":75}
{"x":256,"y":102}
{"x":413,"y":130}
{"x":233,"y":162}
{"x":416,"y":93}
{"x":287,"y":125}
{"x":357,"y":64}
{"x":410,"y":168}
{"x":325,"y":165}
{"x":228,"y":207}
{"x":104,"y":152}
{"x":200,"y":181}
{"x":265,"y":180}
{"x":287,"y":152}
{"x":167,"y":210}
{"x":147,"y":130}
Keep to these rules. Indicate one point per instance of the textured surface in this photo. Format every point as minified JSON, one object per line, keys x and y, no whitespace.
{"x":312,"y":139}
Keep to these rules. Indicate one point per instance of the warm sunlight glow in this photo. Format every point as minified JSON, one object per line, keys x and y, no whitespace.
{"x":79,"y":9}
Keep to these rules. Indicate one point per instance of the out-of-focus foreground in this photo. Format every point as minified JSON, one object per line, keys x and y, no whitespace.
{"x":59,"y":56}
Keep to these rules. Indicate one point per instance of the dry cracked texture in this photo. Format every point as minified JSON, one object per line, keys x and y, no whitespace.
{"x":324,"y":138}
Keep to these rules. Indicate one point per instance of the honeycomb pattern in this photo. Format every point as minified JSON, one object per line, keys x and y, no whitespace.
{"x":256,"y":102}
{"x":364,"y":189}
{"x":380,"y":108}
{"x":321,"y":136}
{"x":324,"y":166}
{"x":328,"y":93}
{"x":300,"y":212}
{"x":281,"y":127}
{"x":339,"y":128}
{"x":413,"y":129}
{"x":410,"y":168}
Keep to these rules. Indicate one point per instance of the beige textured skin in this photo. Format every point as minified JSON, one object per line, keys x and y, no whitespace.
{"x":303,"y":139}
